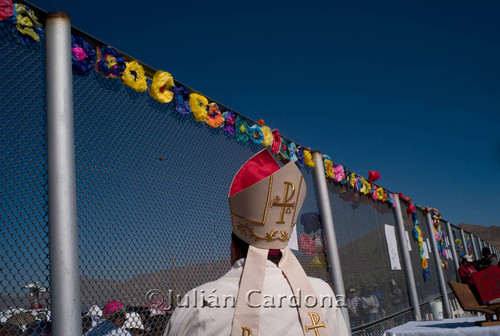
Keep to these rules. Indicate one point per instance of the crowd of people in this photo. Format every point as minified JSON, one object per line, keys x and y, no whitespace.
{"x":370,"y":305}
{"x":114,"y":319}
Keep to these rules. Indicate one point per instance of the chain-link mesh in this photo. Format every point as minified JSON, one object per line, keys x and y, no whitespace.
{"x":360,"y":231}
{"x":24,"y":255}
{"x":152,"y":208}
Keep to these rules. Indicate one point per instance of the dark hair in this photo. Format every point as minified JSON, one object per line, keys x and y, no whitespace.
{"x":241,"y":244}
{"x":486,"y":250}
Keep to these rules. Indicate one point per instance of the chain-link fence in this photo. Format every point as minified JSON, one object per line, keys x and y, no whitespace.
{"x":152,"y":209}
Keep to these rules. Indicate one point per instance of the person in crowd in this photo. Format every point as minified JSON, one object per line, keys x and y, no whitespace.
{"x":134,"y":324}
{"x":396,"y":296}
{"x":114,"y":317}
{"x":368,"y":306}
{"x":466,"y":270}
{"x":488,"y":259}
{"x":352,"y":303}
{"x":379,"y":294}
{"x":264,"y":201}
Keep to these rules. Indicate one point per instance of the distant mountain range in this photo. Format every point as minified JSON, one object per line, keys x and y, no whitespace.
{"x":490,"y":234}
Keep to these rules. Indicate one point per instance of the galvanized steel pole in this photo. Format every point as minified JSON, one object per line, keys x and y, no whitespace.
{"x":410,"y":279}
{"x":464,"y":243}
{"x":451,"y":236}
{"x":332,"y":252}
{"x":64,"y":265}
{"x":474,"y":247}
{"x":439,"y":269}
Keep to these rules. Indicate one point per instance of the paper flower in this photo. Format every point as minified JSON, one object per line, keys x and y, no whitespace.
{"x":426,"y":274}
{"x":308,"y":159}
{"x":160,"y":88}
{"x":328,"y":168}
{"x":27,"y":23}
{"x":110,"y":63}
{"x":240,"y":127}
{"x":390,"y":200}
{"x":411,"y":209}
{"x":380,"y":193}
{"x":214,"y":117}
{"x":373,"y":176}
{"x":425,"y":263}
{"x":338,"y":173}
{"x":268,"y":136}
{"x":181,"y":99}
{"x":284,"y":150}
{"x":292,"y":151}
{"x":135,"y":77}
{"x":6,"y":9}
{"x":275,"y":148}
{"x":255,"y":134}
{"x":82,"y":55}
{"x":307,"y":244}
{"x":199,"y":106}
{"x":229,"y":119}
{"x":300,"y":156}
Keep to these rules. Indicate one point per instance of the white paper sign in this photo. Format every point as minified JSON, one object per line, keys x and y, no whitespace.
{"x":408,"y":240}
{"x":429,"y":245}
{"x":426,"y":250}
{"x":293,"y":243}
{"x":392,"y":246}
{"x":447,"y":241}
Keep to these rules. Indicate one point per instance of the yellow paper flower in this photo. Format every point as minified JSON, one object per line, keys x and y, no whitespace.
{"x":268,"y":136}
{"x":329,"y":168}
{"x":308,"y":159}
{"x":214,"y":117}
{"x":199,"y":106}
{"x":352,"y":179}
{"x":27,"y":23}
{"x":162,"y":82}
{"x":380,"y":193}
{"x":135,"y":77}
{"x":365,"y":189}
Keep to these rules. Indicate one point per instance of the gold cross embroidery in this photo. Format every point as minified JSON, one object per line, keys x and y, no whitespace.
{"x":245,"y":331}
{"x":315,"y":319}
{"x":285,"y":206}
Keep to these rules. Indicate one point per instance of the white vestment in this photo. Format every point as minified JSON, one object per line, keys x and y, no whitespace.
{"x":209,"y":309}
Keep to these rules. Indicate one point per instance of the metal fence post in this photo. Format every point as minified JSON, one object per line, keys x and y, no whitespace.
{"x":332,"y":251}
{"x":63,"y":229}
{"x":474,"y":247}
{"x":453,"y":249}
{"x":437,"y":259}
{"x":464,"y":243}
{"x":410,"y":278}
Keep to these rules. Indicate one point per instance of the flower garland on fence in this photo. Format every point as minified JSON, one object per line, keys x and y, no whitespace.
{"x":439,"y":234}
{"x":110,"y":63}
{"x":418,"y":235}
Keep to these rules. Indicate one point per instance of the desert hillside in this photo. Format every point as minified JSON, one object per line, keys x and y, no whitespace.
{"x":490,"y":234}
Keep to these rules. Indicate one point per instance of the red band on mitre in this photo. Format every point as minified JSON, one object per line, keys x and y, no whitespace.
{"x":254,"y":170}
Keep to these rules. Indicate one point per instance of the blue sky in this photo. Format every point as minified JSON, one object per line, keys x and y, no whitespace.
{"x":410,"y":89}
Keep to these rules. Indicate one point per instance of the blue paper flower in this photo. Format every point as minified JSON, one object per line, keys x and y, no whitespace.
{"x":82,"y":55}
{"x":110,"y":63}
{"x":229,"y":121}
{"x":292,"y":151}
{"x":181,"y":99}
{"x":241,"y":128}
{"x":300,"y":156}
{"x":255,"y":134}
